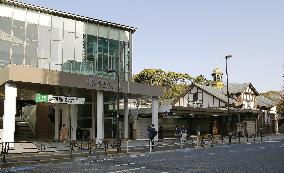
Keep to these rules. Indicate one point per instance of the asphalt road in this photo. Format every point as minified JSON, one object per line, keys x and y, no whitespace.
{"x":264,"y":157}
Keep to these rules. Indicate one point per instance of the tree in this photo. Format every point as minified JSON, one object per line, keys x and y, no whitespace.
{"x":202,"y":80}
{"x":173,"y":82}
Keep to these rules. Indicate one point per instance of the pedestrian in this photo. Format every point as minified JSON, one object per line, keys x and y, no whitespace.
{"x":198,"y":131}
{"x":63,"y":133}
{"x":183,"y":133}
{"x":151,"y":134}
{"x":178,"y":132}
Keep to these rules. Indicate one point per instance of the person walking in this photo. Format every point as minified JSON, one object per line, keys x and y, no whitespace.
{"x":183,"y":133}
{"x":151,"y":134}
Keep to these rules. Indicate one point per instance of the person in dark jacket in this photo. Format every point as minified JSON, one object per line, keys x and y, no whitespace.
{"x":151,"y":134}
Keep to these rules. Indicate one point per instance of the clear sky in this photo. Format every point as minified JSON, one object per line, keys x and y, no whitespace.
{"x":193,"y":36}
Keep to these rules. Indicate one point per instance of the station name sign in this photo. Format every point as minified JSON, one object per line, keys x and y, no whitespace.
{"x":103,"y":84}
{"x":58,"y":99}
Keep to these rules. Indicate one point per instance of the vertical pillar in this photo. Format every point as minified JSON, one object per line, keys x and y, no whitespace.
{"x":73,"y":115}
{"x":100,"y":115}
{"x":155,"y":107}
{"x":276,"y":124}
{"x":66,"y":117}
{"x":9,"y":113}
{"x":56,"y":122}
{"x":93,"y":131}
{"x":126,"y":112}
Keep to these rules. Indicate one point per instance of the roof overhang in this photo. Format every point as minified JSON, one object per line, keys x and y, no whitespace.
{"x":27,"y":74}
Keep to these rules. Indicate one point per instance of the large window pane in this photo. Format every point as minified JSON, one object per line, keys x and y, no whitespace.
{"x":5,"y":39}
{"x":18,"y":54}
{"x":31,"y":53}
{"x":19,"y":32}
{"x":6,"y":11}
{"x":68,"y":44}
{"x":4,"y":53}
{"x":31,"y":44}
{"x":5,"y":28}
{"x":79,"y":41}
{"x":44,"y":42}
{"x":56,"y":43}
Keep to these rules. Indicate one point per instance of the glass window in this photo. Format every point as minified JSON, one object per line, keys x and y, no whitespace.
{"x":103,"y":31}
{"x":5,"y":39}
{"x":19,"y":14}
{"x":92,"y":29}
{"x":32,"y":17}
{"x":79,"y":41}
{"x":56,"y":43}
{"x":5,"y":28}
{"x":44,"y":42}
{"x":4,"y":53}
{"x":6,"y":11}
{"x":18,"y":32}
{"x":68,"y":45}
{"x":18,"y":54}
{"x":31,"y":53}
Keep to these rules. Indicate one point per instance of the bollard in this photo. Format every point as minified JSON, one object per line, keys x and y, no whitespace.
{"x":261,"y":136}
{"x":230,"y":139}
{"x":254,"y":137}
{"x":105,"y":146}
{"x":5,"y":150}
{"x":222,"y":138}
{"x":127,"y":146}
{"x":71,"y":148}
{"x":150,"y":145}
{"x":181,"y":143}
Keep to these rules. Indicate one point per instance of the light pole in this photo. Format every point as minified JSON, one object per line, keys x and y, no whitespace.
{"x":118,"y":143}
{"x":228,"y":108}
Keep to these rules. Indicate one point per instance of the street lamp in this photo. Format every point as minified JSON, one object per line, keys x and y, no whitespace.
{"x":228,"y":109}
{"x":117,"y":109}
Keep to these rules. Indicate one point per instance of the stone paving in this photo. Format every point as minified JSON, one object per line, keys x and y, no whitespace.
{"x":260,"y":157}
{"x":163,"y":149}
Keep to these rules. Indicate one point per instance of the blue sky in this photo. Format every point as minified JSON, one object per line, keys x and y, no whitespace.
{"x":194,"y":36}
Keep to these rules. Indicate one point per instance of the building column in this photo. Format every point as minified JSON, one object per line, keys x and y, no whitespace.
{"x":56,"y":121}
{"x":126,"y":112}
{"x":9,"y":113}
{"x":100,"y":115}
{"x":73,"y":115}
{"x":93,"y":131}
{"x":276,"y":124}
{"x":155,"y":109}
{"x":66,"y":117}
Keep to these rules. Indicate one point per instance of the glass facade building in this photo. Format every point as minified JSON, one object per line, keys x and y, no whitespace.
{"x":39,"y":39}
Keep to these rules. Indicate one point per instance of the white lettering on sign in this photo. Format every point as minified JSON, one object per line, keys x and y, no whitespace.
{"x":66,"y":100}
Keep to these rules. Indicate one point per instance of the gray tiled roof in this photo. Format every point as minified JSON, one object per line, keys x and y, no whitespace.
{"x":235,"y":88}
{"x":264,"y":101}
{"x":215,"y":92}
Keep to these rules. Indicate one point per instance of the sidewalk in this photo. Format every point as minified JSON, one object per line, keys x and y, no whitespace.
{"x":41,"y":151}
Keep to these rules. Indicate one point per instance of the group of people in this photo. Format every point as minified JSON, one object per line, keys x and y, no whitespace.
{"x":181,"y":133}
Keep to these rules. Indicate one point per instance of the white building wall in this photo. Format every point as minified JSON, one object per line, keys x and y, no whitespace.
{"x":204,"y":99}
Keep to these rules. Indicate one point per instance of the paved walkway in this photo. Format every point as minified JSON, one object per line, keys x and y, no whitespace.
{"x":41,"y":151}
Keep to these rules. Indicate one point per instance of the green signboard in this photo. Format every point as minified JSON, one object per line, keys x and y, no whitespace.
{"x":41,"y":98}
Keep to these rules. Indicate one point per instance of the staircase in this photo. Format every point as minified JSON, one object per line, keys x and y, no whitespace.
{"x":23,"y":132}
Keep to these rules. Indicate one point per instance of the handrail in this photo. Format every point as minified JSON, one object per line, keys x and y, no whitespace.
{"x":29,"y":124}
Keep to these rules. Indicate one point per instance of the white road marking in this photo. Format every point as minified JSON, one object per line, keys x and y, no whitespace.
{"x":271,"y":141}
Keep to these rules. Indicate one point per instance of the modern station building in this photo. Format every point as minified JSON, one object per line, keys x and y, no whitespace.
{"x":52,"y":72}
